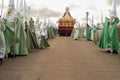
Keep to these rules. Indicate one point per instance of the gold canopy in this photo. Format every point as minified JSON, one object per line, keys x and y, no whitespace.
{"x":67,"y":20}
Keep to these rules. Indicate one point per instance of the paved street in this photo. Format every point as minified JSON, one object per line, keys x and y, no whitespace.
{"x":65,"y":59}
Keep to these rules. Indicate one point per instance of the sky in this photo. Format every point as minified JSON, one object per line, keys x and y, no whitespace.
{"x":78,"y":8}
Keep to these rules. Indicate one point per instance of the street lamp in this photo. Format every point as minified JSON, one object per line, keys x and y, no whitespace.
{"x":87,"y":13}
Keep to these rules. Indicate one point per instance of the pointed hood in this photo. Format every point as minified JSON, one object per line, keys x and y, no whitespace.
{"x":113,"y":11}
{"x":11,"y":4}
{"x":21,"y":7}
{"x":11,"y":9}
{"x":25,"y":9}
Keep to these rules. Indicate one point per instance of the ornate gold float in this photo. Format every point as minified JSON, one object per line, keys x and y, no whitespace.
{"x":66,"y":23}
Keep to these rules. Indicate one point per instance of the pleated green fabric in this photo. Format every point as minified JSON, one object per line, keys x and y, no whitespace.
{"x":15,"y":37}
{"x":51,"y":33}
{"x":32,"y":42}
{"x":88,"y":32}
{"x":105,"y":37}
{"x":44,"y":42}
{"x":9,"y":39}
{"x":110,"y":38}
{"x":114,"y":35}
{"x":21,"y":46}
{"x":72,"y":34}
{"x":2,"y":37}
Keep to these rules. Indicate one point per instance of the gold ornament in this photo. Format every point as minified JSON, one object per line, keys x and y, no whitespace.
{"x":9,"y":13}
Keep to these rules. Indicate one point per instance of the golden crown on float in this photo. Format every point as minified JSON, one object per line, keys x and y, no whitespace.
{"x":67,"y":20}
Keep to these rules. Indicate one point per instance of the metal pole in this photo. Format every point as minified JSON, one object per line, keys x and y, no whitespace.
{"x":87,"y":13}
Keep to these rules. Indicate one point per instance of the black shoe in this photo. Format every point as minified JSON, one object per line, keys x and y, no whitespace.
{"x":1,"y":61}
{"x":13,"y":55}
{"x":108,"y":51}
{"x":115,"y":52}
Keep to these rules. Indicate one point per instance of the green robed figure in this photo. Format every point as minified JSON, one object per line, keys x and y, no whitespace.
{"x":15,"y":37}
{"x":43,"y":43}
{"x":76,"y":31}
{"x":2,"y":40}
{"x":32,"y":41}
{"x":51,"y":33}
{"x":109,"y":39}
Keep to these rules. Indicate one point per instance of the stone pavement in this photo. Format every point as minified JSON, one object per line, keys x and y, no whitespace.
{"x":66,"y":59}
